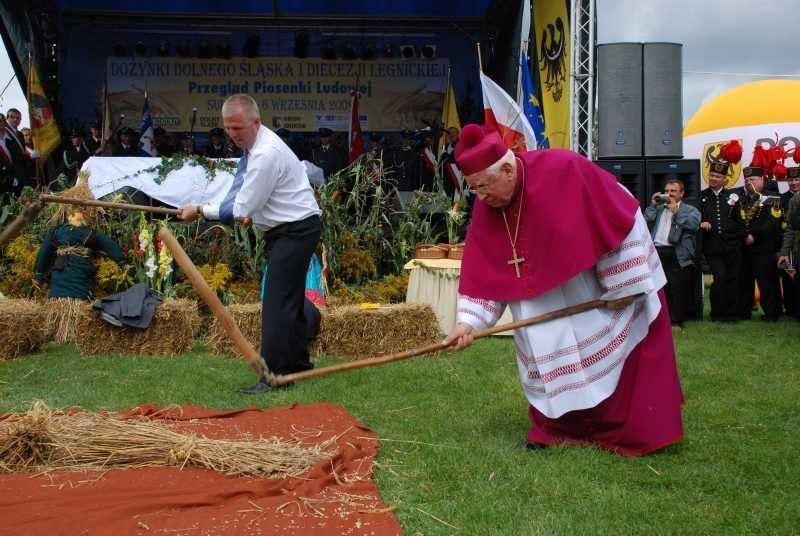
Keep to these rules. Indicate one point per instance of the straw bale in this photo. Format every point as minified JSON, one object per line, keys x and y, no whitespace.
{"x":43,"y":439}
{"x":247,"y":317}
{"x":346,"y":331}
{"x":61,"y":318}
{"x":172,"y":331}
{"x":22,"y":328}
{"x":352,"y":332}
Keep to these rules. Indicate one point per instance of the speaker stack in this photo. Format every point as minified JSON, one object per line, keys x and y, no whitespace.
{"x":640,"y":120}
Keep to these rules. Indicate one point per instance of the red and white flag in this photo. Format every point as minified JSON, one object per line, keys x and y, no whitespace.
{"x":502,"y":112}
{"x":355,"y":137}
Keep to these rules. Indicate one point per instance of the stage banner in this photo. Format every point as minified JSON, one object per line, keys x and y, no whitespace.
{"x":551,"y":26}
{"x":298,"y":94}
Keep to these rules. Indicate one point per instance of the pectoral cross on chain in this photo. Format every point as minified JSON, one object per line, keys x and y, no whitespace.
{"x":516,"y":260}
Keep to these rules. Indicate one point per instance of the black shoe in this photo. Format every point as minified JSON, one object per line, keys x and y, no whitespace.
{"x":530,"y":445}
{"x":262,"y":387}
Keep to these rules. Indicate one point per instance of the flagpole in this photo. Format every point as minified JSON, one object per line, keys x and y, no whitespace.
{"x":445,"y":113}
{"x":480,"y":61}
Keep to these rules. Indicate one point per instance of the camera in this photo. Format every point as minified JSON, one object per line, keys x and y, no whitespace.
{"x":662,"y":198}
{"x":785,"y":265}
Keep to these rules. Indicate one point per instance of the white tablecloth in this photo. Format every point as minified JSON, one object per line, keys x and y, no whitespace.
{"x":435,"y":282}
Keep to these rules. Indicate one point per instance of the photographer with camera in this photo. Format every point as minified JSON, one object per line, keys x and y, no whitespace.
{"x":674,"y":226}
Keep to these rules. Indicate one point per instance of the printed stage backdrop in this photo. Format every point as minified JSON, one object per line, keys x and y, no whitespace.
{"x":298,"y":94}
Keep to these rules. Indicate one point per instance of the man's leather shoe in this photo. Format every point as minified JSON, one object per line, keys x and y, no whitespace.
{"x":530,"y":445}
{"x":262,"y":387}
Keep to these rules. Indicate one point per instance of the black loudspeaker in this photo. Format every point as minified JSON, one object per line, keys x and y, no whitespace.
{"x":619,"y":100}
{"x":629,"y":173}
{"x":687,"y":170}
{"x":662,"y":105}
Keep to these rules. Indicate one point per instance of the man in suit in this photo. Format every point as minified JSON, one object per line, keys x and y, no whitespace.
{"x":722,"y":232}
{"x":788,"y":283}
{"x":94,"y":142}
{"x":126,"y":146}
{"x":29,"y":156}
{"x":406,"y":163}
{"x":13,"y":173}
{"x":74,"y":156}
{"x":327,"y":155}
{"x":216,"y":144}
{"x":674,"y":225}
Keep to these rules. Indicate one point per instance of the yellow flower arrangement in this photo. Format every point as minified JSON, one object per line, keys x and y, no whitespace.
{"x":22,"y":254}
{"x":217,"y":276}
{"x":110,"y":277}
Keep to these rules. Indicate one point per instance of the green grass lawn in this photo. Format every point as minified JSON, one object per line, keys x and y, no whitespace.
{"x":452,"y":457}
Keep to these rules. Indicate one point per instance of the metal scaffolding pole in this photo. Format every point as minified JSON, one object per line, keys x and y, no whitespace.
{"x":582,"y":80}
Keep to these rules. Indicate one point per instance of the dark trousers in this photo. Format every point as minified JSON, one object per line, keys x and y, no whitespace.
{"x":789,"y":289}
{"x":284,"y":333}
{"x":679,"y":284}
{"x":725,"y":268}
{"x":760,"y":268}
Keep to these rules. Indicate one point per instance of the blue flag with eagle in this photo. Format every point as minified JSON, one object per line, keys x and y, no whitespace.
{"x":530,"y":104}
{"x":146,"y":143}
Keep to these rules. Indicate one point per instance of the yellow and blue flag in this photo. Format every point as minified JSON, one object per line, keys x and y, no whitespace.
{"x":530,"y":104}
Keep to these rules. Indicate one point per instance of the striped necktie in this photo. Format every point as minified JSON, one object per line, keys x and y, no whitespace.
{"x":226,"y":208}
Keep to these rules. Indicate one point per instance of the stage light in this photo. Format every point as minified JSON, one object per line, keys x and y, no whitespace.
{"x":428,"y":52}
{"x":388,"y":51}
{"x":140,"y":48}
{"x":407,"y":52}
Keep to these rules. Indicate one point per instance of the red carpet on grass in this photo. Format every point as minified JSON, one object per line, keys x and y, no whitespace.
{"x":337,"y":496}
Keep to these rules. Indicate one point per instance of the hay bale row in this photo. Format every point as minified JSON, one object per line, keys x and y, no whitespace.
{"x":22,"y":328}
{"x":172,"y":331}
{"x":248,"y":318}
{"x":347,"y":331}
{"x":353,"y":332}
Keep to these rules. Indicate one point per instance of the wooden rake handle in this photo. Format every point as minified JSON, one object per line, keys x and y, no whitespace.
{"x":107,"y":204}
{"x":13,"y":229}
{"x":538,"y":319}
{"x":210,"y":298}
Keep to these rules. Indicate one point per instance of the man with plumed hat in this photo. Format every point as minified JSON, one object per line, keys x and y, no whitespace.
{"x":550,"y":230}
{"x":721,"y":234}
{"x":762,"y":219}
{"x":327,"y":155}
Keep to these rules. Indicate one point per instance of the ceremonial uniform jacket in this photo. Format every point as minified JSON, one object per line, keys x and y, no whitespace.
{"x":331,"y":160}
{"x":727,"y":228}
{"x":762,"y":221}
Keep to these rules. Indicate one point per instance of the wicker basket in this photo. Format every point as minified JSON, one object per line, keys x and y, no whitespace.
{"x":429,"y":251}
{"x":455,"y":252}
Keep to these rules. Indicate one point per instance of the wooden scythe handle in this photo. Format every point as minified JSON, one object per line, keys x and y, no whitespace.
{"x":210,"y":298}
{"x":107,"y":204}
{"x":538,"y":319}
{"x":14,"y":228}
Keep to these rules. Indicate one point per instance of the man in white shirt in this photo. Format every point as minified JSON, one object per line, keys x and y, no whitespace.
{"x":271,"y":191}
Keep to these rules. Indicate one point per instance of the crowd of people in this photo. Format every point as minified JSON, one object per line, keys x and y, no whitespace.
{"x":410,"y":159}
